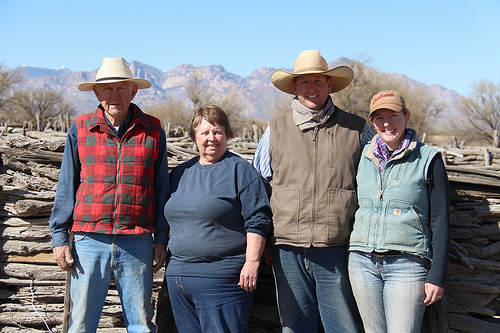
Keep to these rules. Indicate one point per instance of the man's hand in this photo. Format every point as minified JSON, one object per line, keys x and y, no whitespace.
{"x":160,"y":255}
{"x":63,"y":258}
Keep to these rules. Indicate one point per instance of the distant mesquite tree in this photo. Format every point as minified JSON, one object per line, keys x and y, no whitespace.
{"x":481,"y":111}
{"x":8,"y":78}
{"x":39,"y":105}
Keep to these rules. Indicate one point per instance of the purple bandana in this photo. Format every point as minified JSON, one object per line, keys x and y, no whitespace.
{"x":382,"y":152}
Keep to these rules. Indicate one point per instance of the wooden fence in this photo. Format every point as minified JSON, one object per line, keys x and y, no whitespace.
{"x":32,"y":287}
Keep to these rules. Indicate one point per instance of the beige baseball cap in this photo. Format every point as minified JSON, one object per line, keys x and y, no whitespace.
{"x":388,"y":99}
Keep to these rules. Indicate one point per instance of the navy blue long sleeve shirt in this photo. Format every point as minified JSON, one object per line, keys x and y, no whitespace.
{"x":210,"y":211}
{"x":61,"y":218}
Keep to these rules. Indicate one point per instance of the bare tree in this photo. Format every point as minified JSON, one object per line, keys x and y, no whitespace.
{"x":38,"y":105}
{"x":424,"y":108}
{"x":229,"y":102}
{"x":367,"y":82}
{"x":482,"y":110}
{"x":198,"y":92}
{"x":355,"y":98}
{"x":282,"y":105}
{"x":8,"y":78}
{"x":171,"y":113}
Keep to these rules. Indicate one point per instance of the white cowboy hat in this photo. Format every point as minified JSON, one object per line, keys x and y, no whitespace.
{"x":311,"y":62}
{"x":114,"y":70}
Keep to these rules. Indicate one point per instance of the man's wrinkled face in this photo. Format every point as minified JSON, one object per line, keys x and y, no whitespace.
{"x":115,"y":98}
{"x":312,"y":90}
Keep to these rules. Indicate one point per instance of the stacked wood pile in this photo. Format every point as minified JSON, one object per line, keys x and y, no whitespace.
{"x":473,"y":277}
{"x":32,"y":287}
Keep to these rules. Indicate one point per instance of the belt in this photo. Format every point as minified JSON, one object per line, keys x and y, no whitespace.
{"x":387,"y":253}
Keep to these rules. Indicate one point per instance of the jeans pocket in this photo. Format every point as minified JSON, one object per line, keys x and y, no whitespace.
{"x":424,"y":262}
{"x":79,"y":236}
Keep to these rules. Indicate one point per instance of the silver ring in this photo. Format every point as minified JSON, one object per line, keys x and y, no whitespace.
{"x":439,"y":296}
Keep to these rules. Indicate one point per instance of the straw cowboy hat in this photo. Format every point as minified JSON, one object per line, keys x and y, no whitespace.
{"x":311,"y":62}
{"x":114,"y":70}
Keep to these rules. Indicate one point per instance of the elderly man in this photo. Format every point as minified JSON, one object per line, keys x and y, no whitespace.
{"x":111,"y":192}
{"x":310,"y":156}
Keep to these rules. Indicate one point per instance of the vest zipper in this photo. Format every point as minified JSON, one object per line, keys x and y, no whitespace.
{"x":380,"y":196}
{"x":315,"y":161}
{"x":117,"y":182}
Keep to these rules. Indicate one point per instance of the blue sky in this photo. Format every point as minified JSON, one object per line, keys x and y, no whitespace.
{"x":451,"y":43}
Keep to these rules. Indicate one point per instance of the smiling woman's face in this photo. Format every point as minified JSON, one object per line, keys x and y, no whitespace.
{"x":211,"y":141}
{"x":390,"y":125}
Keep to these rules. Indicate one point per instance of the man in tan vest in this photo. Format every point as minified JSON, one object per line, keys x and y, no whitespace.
{"x":310,"y":156}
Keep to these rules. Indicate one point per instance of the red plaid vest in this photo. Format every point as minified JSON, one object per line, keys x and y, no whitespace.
{"x":116,"y":194}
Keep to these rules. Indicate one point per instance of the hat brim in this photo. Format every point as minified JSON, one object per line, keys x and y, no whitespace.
{"x":388,"y":106}
{"x":341,"y":77}
{"x":141,"y":83}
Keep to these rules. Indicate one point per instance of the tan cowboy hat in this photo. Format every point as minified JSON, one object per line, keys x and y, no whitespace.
{"x":114,"y":70}
{"x":311,"y":62}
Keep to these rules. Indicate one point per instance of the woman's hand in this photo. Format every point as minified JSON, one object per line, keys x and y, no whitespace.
{"x":250,"y":270}
{"x":248,"y":275}
{"x":433,"y":293}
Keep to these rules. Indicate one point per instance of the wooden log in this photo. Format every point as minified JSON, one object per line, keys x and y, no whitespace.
{"x":483,"y":252}
{"x":485,"y":264}
{"x":36,"y":320}
{"x":470,"y":299}
{"x":470,"y":324}
{"x":491,"y":210}
{"x":48,"y":171}
{"x":483,"y":230}
{"x":474,"y":287}
{"x":32,"y":232}
{"x":461,"y":253}
{"x":39,"y":258}
{"x":16,"y":246}
{"x":464,"y":219}
{"x":27,"y":207}
{"x":27,"y":182}
{"x":14,"y":193}
{"x":17,"y":329}
{"x":453,"y":308}
{"x":13,"y":164}
{"x":44,"y":294}
{"x":28,"y":282}
{"x":36,"y":155}
{"x":17,"y":221}
{"x":53,"y":307}
{"x":31,"y":271}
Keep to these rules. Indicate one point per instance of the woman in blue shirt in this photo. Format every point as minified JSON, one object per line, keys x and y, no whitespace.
{"x":219,"y":219}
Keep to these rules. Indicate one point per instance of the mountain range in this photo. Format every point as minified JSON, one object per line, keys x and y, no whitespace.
{"x":256,"y":94}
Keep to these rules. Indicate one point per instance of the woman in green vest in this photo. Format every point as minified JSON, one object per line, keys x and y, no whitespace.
{"x":399,"y":244}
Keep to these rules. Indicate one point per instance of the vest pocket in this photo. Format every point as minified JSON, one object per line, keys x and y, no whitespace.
{"x":362,"y":222}
{"x":402,"y":226}
{"x":285,"y":206}
{"x":342,"y":205}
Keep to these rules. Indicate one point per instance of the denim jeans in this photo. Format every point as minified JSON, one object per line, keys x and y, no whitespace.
{"x":129,"y":259}
{"x":204,"y":304}
{"x":389,"y":291}
{"x":313,"y":283}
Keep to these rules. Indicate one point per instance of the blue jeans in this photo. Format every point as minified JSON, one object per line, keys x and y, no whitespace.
{"x":203,"y":304}
{"x":389,"y":291}
{"x":129,"y":258}
{"x":312,"y":283}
